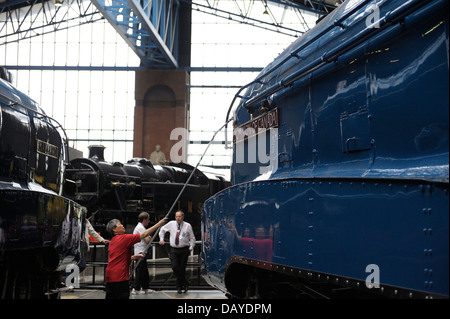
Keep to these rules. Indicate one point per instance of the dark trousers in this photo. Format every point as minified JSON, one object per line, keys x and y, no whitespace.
{"x":141,"y":279}
{"x":117,"y":290}
{"x":179,"y":258}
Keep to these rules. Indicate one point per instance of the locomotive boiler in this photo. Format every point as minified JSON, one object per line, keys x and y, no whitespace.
{"x":340,"y":173}
{"x":122,"y":190}
{"x":40,"y":229}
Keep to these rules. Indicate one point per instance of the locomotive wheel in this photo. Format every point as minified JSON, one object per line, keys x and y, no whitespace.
{"x":252,"y":291}
{"x":16,"y":279}
{"x":22,"y":278}
{"x":21,"y":285}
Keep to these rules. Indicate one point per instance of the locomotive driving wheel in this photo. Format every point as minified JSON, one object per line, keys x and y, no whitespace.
{"x":22,"y":277}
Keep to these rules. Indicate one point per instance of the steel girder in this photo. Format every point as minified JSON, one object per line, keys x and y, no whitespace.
{"x":321,"y":7}
{"x":24,"y":19}
{"x":149,"y":27}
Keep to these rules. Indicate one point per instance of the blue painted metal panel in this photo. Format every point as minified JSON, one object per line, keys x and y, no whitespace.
{"x":361,"y":172}
{"x":334,"y":227}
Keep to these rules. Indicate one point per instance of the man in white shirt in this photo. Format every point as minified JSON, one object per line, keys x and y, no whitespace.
{"x":182,"y":241}
{"x":142,"y":280}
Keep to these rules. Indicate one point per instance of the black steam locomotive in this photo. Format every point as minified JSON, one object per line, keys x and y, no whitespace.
{"x":40,"y":229}
{"x":117,"y":190}
{"x":45,"y":199}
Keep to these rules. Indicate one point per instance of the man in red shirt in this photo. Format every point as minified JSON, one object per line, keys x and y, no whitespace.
{"x":117,"y":275}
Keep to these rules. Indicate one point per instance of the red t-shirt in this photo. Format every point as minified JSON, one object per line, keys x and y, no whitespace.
{"x":120,"y":252}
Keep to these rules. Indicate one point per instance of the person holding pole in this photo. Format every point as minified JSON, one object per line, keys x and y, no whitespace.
{"x":120,"y":255}
{"x":142,"y":280}
{"x":182,"y":241}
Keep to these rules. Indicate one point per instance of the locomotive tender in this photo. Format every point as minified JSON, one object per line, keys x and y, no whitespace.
{"x":340,"y":174}
{"x":40,"y":229}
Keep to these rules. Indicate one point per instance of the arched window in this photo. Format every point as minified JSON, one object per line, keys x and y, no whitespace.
{"x":160,"y":96}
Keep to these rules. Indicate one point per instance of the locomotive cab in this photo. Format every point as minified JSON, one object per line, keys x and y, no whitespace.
{"x":40,"y":230}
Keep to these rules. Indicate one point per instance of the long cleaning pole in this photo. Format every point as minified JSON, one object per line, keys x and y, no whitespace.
{"x":181,"y":192}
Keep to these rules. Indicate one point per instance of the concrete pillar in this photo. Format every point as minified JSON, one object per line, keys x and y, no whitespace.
{"x":162,"y":104}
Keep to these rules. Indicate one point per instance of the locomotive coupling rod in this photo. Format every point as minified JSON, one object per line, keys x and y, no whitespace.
{"x":181,"y":192}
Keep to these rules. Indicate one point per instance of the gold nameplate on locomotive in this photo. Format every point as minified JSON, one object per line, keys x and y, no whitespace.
{"x":47,"y":149}
{"x":257,"y":125}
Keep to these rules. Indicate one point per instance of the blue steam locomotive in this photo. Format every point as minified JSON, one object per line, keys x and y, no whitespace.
{"x":40,"y":229}
{"x":340,"y":173}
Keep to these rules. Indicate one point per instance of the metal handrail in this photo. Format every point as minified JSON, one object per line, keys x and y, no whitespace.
{"x":151,"y":262}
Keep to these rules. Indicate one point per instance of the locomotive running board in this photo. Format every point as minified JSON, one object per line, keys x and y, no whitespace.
{"x":344,"y":282}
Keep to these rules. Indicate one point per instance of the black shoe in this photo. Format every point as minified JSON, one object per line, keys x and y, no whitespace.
{"x":179,"y":290}
{"x":186,"y":288}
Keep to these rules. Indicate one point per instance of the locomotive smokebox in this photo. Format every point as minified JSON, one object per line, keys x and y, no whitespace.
{"x":96,"y":152}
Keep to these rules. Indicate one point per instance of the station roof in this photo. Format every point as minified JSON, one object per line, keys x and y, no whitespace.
{"x":155,"y":29}
{"x":324,"y":6}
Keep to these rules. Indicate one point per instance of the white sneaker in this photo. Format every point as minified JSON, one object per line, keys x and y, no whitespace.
{"x":139,"y":292}
{"x":149,"y":291}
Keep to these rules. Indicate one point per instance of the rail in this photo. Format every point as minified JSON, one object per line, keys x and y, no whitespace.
{"x":160,"y":269}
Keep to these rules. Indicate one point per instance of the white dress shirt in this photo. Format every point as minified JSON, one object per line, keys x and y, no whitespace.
{"x":187,"y":237}
{"x":140,"y":246}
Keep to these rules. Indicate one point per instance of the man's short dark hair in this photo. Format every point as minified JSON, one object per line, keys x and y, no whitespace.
{"x":142,"y":216}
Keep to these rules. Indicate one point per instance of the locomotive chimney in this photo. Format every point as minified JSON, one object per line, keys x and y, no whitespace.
{"x":96,"y":152}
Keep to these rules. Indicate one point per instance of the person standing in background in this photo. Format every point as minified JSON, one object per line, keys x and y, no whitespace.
{"x":85,"y":241}
{"x":182,"y":241}
{"x":142,"y":280}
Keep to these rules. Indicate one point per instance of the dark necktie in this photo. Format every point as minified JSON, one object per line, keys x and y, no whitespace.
{"x":177,"y":237}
